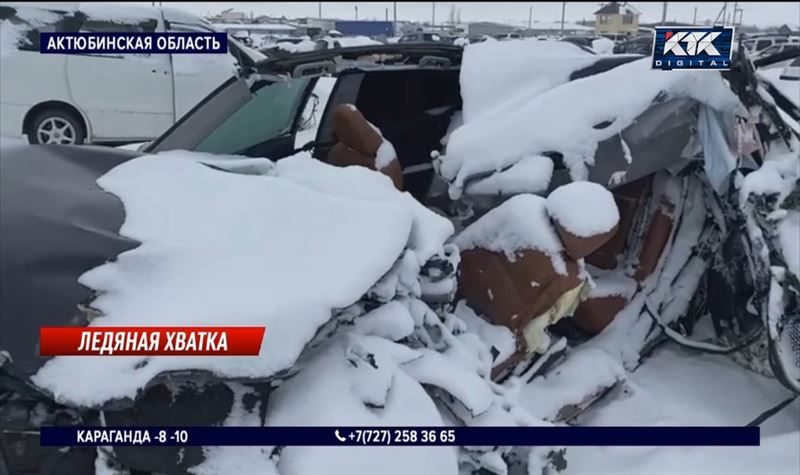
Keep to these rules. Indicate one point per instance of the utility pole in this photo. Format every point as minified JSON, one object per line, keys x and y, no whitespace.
{"x":563,"y":11}
{"x":319,"y":13}
{"x":433,"y":14}
{"x":664,"y":14}
{"x":356,"y":7}
{"x":394,"y":18}
{"x":694,"y":18}
{"x":387,"y":14}
{"x":530,"y":16}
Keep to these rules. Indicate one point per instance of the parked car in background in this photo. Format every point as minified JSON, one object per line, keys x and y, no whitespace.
{"x":421,"y":38}
{"x":73,"y":99}
{"x":580,"y":40}
{"x":508,"y":36}
{"x":638,"y":45}
{"x":775,"y":49}
{"x":758,"y":43}
{"x":479,"y":38}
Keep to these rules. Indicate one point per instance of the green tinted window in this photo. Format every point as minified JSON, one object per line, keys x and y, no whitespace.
{"x":270,"y":113}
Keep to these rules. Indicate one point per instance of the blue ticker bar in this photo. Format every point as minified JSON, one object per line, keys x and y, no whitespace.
{"x":352,"y":436}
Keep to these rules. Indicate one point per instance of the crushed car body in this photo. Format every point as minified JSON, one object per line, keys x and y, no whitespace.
{"x":433,"y":236}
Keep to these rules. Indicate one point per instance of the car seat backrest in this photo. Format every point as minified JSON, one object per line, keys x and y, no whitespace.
{"x":628,"y":198}
{"x":359,"y":143}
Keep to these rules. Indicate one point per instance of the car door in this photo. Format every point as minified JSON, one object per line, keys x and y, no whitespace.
{"x":124,"y":96}
{"x":196,"y":75}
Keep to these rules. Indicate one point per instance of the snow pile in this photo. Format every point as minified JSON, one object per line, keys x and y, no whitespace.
{"x":777,"y":176}
{"x":529,"y":175}
{"x":611,"y":284}
{"x":300,"y":47}
{"x":519,"y":223}
{"x":353,"y":41}
{"x":584,"y":373}
{"x":583,"y":208}
{"x":358,"y":381}
{"x":680,"y":388}
{"x":130,"y":14}
{"x":497,"y":75}
{"x":570,"y":119}
{"x":13,"y":34}
{"x":428,"y":230}
{"x":496,"y":336}
{"x":603,"y":46}
{"x":224,"y":248}
{"x":400,"y":364}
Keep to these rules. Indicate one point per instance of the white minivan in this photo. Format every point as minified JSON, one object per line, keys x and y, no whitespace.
{"x":73,"y":99}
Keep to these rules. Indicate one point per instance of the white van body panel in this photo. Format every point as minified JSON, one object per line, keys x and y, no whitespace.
{"x":119,"y":98}
{"x":123,"y":97}
{"x":27,"y":79}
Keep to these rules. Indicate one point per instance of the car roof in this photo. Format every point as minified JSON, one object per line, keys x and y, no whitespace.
{"x":410,"y":53}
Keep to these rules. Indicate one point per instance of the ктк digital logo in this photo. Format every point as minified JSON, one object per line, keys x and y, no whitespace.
{"x":692,"y":48}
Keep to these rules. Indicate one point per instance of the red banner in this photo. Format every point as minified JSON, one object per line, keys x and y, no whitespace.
{"x":150,"y":341}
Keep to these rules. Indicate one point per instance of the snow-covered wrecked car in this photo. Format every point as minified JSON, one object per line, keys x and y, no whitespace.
{"x":541,"y":219}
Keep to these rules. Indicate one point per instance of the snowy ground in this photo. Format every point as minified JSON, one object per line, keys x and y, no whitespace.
{"x":676,"y":387}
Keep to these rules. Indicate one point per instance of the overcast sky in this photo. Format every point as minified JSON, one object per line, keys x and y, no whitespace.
{"x":755,"y":13}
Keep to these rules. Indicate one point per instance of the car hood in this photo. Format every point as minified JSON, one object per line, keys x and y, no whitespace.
{"x":55,"y":224}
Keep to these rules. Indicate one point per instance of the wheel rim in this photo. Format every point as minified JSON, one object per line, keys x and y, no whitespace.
{"x":56,"y":130}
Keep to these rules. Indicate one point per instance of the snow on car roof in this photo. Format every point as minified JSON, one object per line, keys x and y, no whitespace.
{"x":281,"y":250}
{"x":497,"y":74}
{"x":569,"y":118}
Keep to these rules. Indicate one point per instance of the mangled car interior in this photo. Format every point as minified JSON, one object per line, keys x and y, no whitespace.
{"x":431,"y":235}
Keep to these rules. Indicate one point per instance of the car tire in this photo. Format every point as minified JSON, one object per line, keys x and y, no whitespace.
{"x":56,"y":126}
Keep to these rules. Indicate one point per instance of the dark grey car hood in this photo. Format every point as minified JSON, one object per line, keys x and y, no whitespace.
{"x":55,"y":224}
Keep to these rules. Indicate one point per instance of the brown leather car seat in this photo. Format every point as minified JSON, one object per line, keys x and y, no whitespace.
{"x":358,"y":143}
{"x":628,"y":198}
{"x":655,"y":239}
{"x":525,"y":294}
{"x":596,"y":313}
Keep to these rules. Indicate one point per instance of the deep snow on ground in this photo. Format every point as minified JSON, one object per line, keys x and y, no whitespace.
{"x":678,"y":387}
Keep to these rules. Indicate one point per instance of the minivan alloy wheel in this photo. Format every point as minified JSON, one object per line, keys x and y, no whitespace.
{"x":56,"y":130}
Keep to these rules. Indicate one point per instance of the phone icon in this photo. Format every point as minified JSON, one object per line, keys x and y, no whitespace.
{"x":336,"y":434}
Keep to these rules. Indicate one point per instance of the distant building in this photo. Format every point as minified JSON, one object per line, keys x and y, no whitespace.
{"x":489,"y":28}
{"x":787,"y":29}
{"x":617,"y":19}
{"x":230,"y":16}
